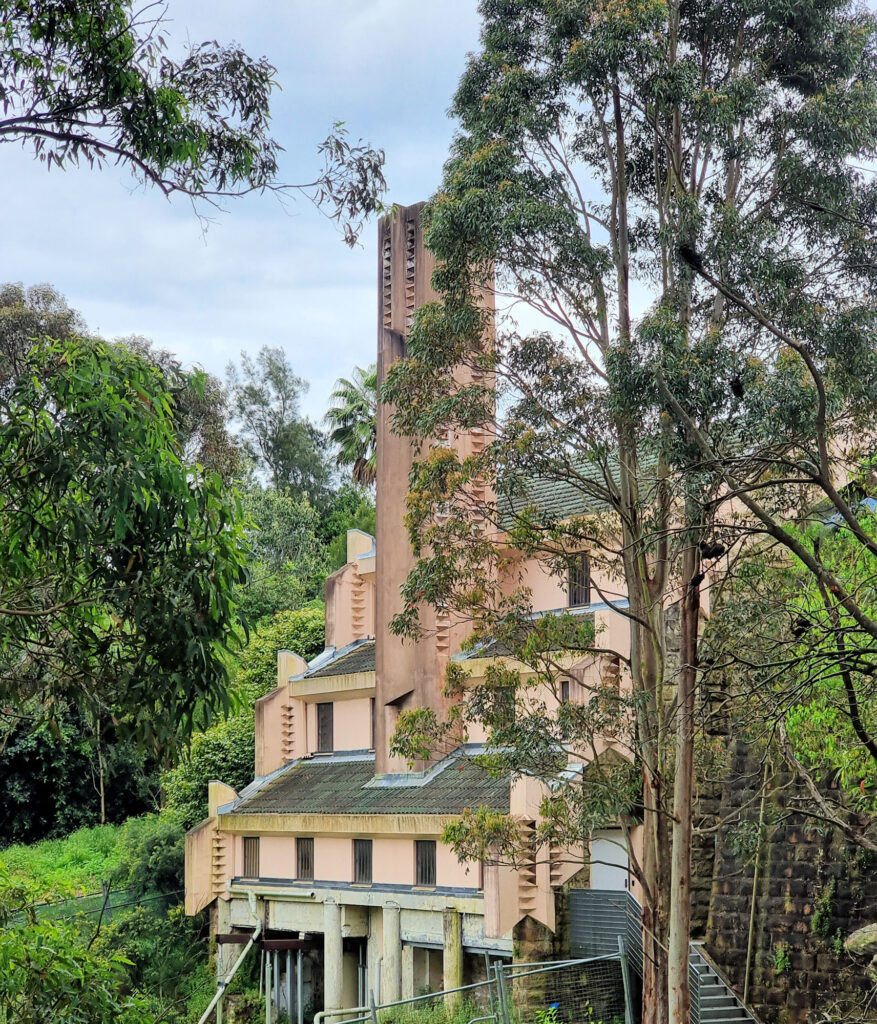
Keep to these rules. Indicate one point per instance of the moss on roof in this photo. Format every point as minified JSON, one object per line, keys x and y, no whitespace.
{"x":360,"y":659}
{"x":318,"y":786}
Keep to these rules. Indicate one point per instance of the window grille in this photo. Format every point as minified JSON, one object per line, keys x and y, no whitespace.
{"x":325,"y":728}
{"x":579,"y":583}
{"x":304,"y":853}
{"x":424,"y":861}
{"x":251,"y":856}
{"x":362,"y":861}
{"x":564,"y":699}
{"x":504,"y":707}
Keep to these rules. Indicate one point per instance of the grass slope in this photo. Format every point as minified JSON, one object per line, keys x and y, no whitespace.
{"x":71,"y":866}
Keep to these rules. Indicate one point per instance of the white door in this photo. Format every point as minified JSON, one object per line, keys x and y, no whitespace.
{"x":609,"y":863}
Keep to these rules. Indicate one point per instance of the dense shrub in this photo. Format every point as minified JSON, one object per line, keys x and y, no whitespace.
{"x":151,"y":853}
{"x":49,"y":775}
{"x":226,"y":751}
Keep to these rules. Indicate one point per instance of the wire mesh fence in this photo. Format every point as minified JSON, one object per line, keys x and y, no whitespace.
{"x":590,"y":991}
{"x":107,"y":900}
{"x":587,"y":991}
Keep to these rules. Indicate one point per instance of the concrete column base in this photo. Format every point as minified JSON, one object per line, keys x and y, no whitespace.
{"x":333,"y":957}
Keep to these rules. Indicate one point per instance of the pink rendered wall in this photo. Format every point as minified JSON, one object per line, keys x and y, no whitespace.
{"x":350,"y":606}
{"x":550,"y":592}
{"x":351,"y":724}
{"x":409,"y":675}
{"x":392,"y":861}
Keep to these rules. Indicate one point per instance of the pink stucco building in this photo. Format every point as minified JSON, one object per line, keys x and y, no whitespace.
{"x":336,"y":844}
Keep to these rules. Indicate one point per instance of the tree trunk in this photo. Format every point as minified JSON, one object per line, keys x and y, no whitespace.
{"x":101,"y":775}
{"x":678,"y":988}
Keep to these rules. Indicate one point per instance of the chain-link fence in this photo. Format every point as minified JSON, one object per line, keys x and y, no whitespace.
{"x":107,"y":900}
{"x":588,"y":991}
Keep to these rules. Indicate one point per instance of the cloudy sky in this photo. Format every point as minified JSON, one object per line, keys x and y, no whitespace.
{"x":133,"y":262}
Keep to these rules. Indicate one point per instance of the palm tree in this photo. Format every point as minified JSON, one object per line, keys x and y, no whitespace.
{"x":352,"y":419}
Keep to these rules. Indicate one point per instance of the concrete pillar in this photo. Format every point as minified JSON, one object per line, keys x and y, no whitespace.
{"x":452,"y":961}
{"x":408,"y":972}
{"x":333,"y":956}
{"x":391,"y":981}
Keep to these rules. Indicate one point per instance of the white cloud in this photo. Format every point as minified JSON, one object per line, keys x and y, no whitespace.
{"x":133,"y":262}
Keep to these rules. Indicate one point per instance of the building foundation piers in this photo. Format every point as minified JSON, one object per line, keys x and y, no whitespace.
{"x":391,"y":980}
{"x":333,"y":956}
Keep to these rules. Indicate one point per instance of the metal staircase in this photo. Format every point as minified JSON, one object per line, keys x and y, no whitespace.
{"x":712,"y":999}
{"x":598,"y":917}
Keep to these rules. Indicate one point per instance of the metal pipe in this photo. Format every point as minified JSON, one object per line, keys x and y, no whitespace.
{"x":289,"y":985}
{"x":268,"y":993}
{"x":223,"y":985}
{"x":299,"y":1008}
{"x":218,"y":981}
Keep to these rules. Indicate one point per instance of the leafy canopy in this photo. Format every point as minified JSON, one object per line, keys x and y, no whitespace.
{"x":119,"y":561}
{"x":93,"y":82}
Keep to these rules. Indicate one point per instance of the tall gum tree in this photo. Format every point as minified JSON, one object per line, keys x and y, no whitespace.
{"x":92,"y":82}
{"x":648,"y":177}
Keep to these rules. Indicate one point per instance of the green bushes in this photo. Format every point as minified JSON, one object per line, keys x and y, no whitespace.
{"x":227,"y":750}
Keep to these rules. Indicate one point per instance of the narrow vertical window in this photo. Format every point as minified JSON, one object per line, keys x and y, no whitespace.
{"x":372,"y":705}
{"x":251,"y":856}
{"x":362,"y":861}
{"x":424,"y":862}
{"x":564,"y":699}
{"x":325,"y":728}
{"x":579,"y":582}
{"x":304,"y":855}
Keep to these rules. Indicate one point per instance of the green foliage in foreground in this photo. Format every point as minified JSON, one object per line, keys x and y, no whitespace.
{"x":226,"y":751}
{"x":74,"y":865}
{"x":136,"y":963}
{"x":118,"y":561}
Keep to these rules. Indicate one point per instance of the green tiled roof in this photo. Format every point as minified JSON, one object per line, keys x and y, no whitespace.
{"x":360,"y":659}
{"x":317,"y":786}
{"x":559,"y":497}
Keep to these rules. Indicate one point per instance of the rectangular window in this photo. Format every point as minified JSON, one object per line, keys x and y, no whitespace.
{"x":304,"y":855}
{"x":504,"y":707}
{"x":564,"y":699}
{"x":424,"y":862}
{"x":372,"y":710}
{"x":579,"y":583}
{"x":251,"y":856}
{"x":325,"y":728}
{"x":362,"y":861}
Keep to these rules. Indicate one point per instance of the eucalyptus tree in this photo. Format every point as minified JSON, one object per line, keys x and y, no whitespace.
{"x":118,"y":560}
{"x":92,"y":82}
{"x":291,"y":451}
{"x":677,"y":191}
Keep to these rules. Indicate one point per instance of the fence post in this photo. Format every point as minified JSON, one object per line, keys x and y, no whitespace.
{"x":269,"y":991}
{"x":501,"y":991}
{"x":219,"y":981}
{"x":625,"y":980}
